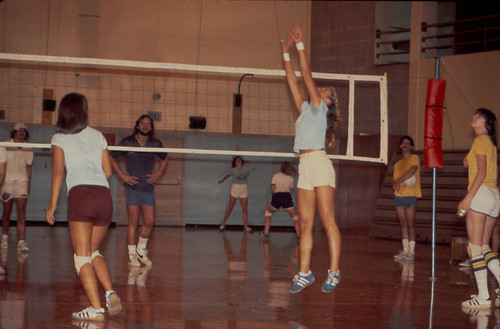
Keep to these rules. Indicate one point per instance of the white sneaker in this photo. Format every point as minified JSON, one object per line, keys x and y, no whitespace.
{"x":113,"y":302}
{"x":133,"y":261}
{"x":22,"y":246}
{"x":142,"y":256}
{"x":401,"y":255}
{"x":2,"y":271}
{"x":475,"y":302}
{"x":22,"y":256}
{"x":247,"y":229}
{"x":5,"y":242}
{"x":89,"y":314}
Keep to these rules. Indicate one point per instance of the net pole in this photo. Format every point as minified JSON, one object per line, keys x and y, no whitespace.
{"x":384,"y":123}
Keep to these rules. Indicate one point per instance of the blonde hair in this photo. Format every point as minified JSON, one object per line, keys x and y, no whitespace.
{"x":332,"y":118}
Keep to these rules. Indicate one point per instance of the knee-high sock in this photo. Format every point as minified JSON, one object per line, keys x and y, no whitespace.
{"x":481,"y":274}
{"x":492,"y":262}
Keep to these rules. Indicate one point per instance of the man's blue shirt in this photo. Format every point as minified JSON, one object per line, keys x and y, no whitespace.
{"x":139,"y":164}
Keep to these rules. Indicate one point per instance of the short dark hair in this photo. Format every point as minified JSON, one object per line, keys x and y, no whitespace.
{"x":73,"y":116}
{"x":139,"y":119}
{"x":13,"y":133}
{"x":233,"y":163}
{"x":408,"y":138}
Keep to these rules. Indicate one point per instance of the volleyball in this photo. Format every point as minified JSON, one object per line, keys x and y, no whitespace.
{"x":411,"y":181}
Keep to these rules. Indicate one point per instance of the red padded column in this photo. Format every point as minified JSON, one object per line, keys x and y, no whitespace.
{"x":433,"y":154}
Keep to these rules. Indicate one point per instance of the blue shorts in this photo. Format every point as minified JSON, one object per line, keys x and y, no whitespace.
{"x":140,"y":198}
{"x":405,"y":201}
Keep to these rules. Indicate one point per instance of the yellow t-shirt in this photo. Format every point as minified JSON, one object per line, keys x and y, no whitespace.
{"x":400,"y":168}
{"x":483,"y":145}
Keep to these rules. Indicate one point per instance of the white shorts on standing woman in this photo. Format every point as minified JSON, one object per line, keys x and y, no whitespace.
{"x":315,"y":169}
{"x":486,"y":201}
{"x":239,"y":191}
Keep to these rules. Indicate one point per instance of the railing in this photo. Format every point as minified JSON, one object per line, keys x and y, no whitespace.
{"x":400,"y":46}
{"x":466,"y":34}
{"x":460,"y":36}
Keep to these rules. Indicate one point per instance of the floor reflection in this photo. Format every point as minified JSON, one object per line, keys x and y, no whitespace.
{"x":139,"y":310}
{"x":205,"y":279}
{"x":13,"y":304}
{"x":401,"y":315}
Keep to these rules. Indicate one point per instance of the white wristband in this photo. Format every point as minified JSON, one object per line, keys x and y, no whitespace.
{"x":300,"y":46}
{"x":286,"y":57}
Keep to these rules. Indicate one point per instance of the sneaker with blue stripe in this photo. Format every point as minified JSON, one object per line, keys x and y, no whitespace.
{"x":113,"y":302}
{"x":301,"y":281}
{"x":332,"y":280}
{"x":89,"y":314}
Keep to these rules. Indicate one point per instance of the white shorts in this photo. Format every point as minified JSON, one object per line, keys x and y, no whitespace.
{"x":239,"y":191}
{"x":486,"y":201}
{"x":15,"y":189}
{"x":315,"y":169}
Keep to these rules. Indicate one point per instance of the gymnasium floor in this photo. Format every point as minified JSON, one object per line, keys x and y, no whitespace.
{"x":202,"y":278}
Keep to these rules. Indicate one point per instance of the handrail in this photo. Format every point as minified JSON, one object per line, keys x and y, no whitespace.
{"x":459,"y":21}
{"x":484,"y":39}
{"x":489,"y":24}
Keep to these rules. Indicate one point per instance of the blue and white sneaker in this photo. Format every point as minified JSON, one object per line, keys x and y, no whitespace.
{"x":332,"y":280}
{"x":301,"y":281}
{"x":89,"y":314}
{"x":113,"y":302}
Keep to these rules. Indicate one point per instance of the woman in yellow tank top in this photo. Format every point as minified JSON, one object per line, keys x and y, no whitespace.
{"x":481,"y":205}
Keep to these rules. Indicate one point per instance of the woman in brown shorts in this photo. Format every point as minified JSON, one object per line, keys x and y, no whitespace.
{"x":82,"y":151}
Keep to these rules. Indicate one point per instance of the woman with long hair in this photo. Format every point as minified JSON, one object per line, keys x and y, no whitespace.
{"x":481,"y":205}
{"x":314,"y":131}
{"x":239,"y":190}
{"x":83,"y":152}
{"x":282,"y":185}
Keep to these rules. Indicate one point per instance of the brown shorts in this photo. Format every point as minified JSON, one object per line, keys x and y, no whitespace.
{"x":90,"y":203}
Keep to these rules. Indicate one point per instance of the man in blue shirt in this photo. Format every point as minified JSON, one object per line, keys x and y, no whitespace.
{"x":139,"y":179}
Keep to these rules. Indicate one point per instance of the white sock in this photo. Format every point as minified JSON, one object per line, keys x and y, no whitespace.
{"x":480,"y":270}
{"x":412,"y":246}
{"x":406,"y":245}
{"x":131,"y":249}
{"x":142,"y":243}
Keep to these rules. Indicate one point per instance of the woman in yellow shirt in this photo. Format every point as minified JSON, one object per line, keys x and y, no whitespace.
{"x":481,"y":205}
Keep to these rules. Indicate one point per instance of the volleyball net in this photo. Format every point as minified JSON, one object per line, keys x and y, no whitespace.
{"x":119,"y":91}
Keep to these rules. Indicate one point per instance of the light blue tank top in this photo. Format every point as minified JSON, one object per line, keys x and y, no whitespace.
{"x":310,"y":128}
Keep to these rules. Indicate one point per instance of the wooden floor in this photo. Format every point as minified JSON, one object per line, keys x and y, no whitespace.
{"x":205,"y":279}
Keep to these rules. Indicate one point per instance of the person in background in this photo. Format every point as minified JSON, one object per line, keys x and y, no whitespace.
{"x":239,"y":190}
{"x":139,"y":179}
{"x":406,"y":186}
{"x":16,"y":186}
{"x":282,"y":185}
